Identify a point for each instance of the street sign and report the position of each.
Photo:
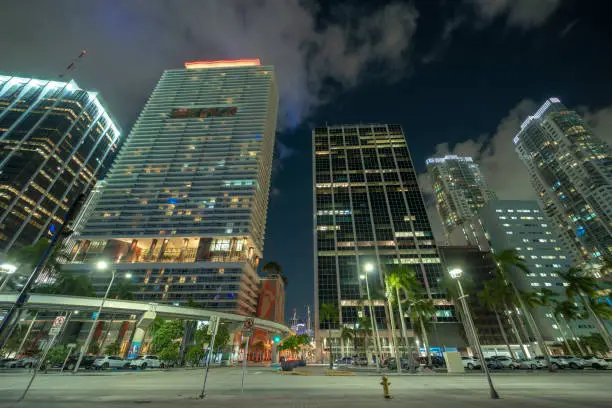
(57, 325)
(248, 323)
(247, 333)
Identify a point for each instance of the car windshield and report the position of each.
(139, 358)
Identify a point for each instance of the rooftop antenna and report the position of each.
(72, 64)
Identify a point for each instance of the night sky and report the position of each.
(458, 75)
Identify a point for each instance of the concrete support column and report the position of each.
(139, 333)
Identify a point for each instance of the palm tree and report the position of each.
(272, 268)
(328, 313)
(490, 299)
(583, 286)
(402, 278)
(567, 311)
(546, 298)
(423, 310)
(364, 327)
(506, 261)
(346, 335)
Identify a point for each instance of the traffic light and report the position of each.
(276, 338)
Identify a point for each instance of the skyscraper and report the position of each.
(521, 225)
(460, 192)
(368, 209)
(56, 141)
(571, 170)
(184, 206)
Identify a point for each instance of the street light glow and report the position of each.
(8, 268)
(362, 277)
(369, 267)
(128, 275)
(101, 265)
(455, 273)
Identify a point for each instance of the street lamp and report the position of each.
(469, 328)
(368, 268)
(101, 266)
(9, 270)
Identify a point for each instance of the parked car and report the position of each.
(470, 363)
(596, 362)
(5, 362)
(26, 362)
(526, 364)
(556, 362)
(574, 362)
(438, 361)
(109, 362)
(493, 363)
(86, 362)
(505, 361)
(146, 361)
(392, 364)
(360, 361)
(345, 361)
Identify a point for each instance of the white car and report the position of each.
(574, 362)
(526, 364)
(555, 361)
(505, 361)
(146, 361)
(109, 362)
(470, 363)
(595, 362)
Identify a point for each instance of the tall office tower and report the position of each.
(368, 209)
(521, 225)
(571, 170)
(479, 267)
(460, 192)
(184, 206)
(56, 141)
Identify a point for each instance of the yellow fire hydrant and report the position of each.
(385, 383)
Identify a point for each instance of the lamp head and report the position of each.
(8, 268)
(369, 267)
(362, 277)
(455, 273)
(128, 275)
(101, 265)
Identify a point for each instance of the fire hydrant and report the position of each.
(385, 383)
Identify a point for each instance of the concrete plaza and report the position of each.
(264, 388)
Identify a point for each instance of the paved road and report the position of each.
(264, 388)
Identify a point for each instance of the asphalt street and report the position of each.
(264, 388)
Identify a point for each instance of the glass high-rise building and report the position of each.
(368, 209)
(571, 170)
(56, 141)
(184, 206)
(524, 227)
(460, 191)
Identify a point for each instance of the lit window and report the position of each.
(548, 284)
(535, 284)
(544, 225)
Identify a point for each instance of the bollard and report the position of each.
(385, 383)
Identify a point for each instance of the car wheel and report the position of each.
(597, 366)
(533, 367)
(143, 366)
(573, 366)
(162, 365)
(512, 367)
(105, 366)
(29, 365)
(470, 366)
(70, 366)
(555, 366)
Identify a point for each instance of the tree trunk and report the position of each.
(402, 320)
(331, 353)
(569, 348)
(574, 337)
(503, 332)
(516, 332)
(601, 327)
(426, 341)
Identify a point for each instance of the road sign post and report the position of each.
(215, 328)
(247, 331)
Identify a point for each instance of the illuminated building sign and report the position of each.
(182, 113)
(223, 63)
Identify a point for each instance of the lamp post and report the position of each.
(368, 268)
(469, 327)
(101, 266)
(8, 269)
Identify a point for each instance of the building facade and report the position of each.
(271, 304)
(460, 192)
(184, 206)
(368, 209)
(56, 141)
(523, 226)
(571, 170)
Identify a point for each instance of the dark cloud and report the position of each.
(521, 13)
(130, 43)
